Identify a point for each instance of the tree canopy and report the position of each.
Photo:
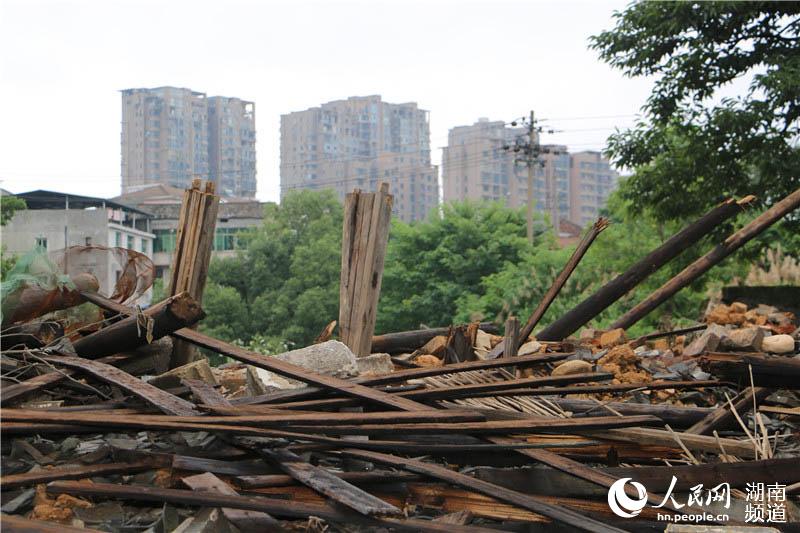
(283, 288)
(469, 262)
(693, 145)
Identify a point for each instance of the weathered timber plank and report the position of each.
(327, 483)
(358, 478)
(205, 393)
(412, 373)
(13, 481)
(494, 427)
(722, 417)
(18, 524)
(17, 390)
(526, 501)
(174, 313)
(163, 400)
(272, 506)
(246, 521)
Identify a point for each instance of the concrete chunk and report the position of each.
(778, 344)
(331, 358)
(707, 342)
(743, 340)
(376, 364)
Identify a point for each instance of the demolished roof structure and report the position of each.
(458, 428)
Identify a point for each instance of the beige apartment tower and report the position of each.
(476, 166)
(358, 143)
(171, 135)
(591, 182)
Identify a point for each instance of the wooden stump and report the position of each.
(195, 239)
(365, 234)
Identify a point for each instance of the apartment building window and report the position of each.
(143, 247)
(226, 239)
(41, 242)
(130, 242)
(165, 240)
(117, 239)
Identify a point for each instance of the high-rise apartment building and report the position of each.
(475, 166)
(232, 145)
(591, 182)
(358, 143)
(171, 135)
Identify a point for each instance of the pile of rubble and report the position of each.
(456, 428)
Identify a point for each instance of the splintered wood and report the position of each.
(365, 233)
(193, 244)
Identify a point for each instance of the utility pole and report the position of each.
(530, 158)
(532, 154)
(531, 150)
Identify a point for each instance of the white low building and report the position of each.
(55, 221)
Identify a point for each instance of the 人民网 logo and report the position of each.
(622, 504)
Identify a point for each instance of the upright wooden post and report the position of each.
(365, 233)
(194, 242)
(511, 338)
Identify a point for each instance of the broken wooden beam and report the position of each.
(165, 317)
(327, 483)
(161, 399)
(529, 424)
(245, 521)
(273, 506)
(723, 417)
(28, 479)
(525, 501)
(675, 416)
(193, 243)
(357, 478)
(775, 371)
(705, 263)
(558, 283)
(276, 365)
(10, 523)
(612, 291)
(411, 373)
(42, 381)
(408, 341)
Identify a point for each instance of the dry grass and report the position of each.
(778, 268)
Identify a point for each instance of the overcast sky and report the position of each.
(64, 62)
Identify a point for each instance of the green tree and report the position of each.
(432, 265)
(694, 147)
(8, 206)
(287, 278)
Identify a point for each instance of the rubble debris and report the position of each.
(622, 362)
(376, 364)
(458, 438)
(195, 370)
(332, 358)
(574, 366)
(781, 344)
